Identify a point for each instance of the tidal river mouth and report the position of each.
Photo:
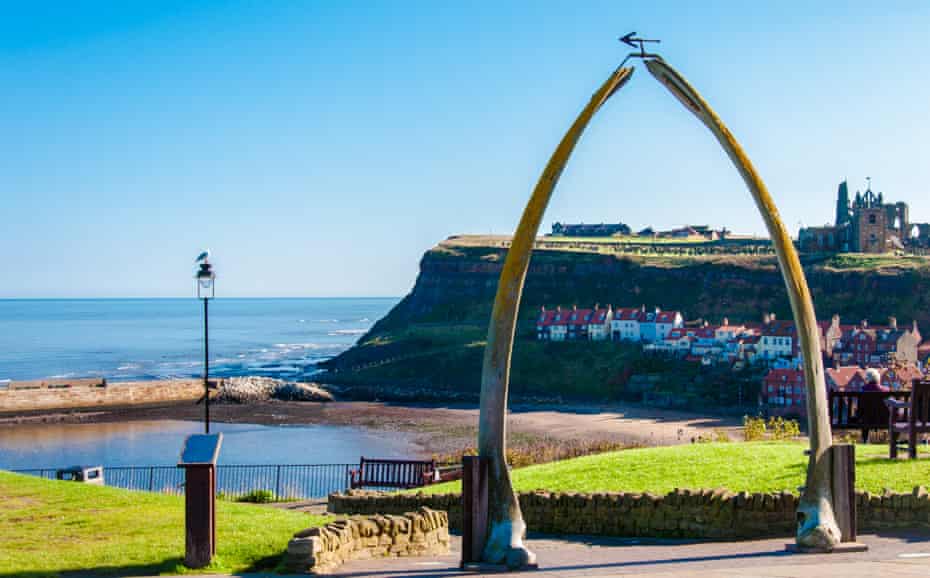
(158, 442)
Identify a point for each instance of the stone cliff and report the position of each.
(456, 285)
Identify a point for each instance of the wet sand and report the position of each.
(438, 429)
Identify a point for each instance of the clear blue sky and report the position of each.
(318, 148)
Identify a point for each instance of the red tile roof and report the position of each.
(600, 315)
(853, 377)
(785, 375)
(574, 317)
(580, 316)
(840, 377)
(705, 333)
(546, 317)
(666, 316)
(904, 375)
(627, 314)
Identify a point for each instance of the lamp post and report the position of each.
(206, 291)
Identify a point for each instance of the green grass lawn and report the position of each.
(49, 527)
(754, 467)
(871, 262)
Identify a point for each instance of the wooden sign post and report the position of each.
(474, 508)
(843, 458)
(198, 458)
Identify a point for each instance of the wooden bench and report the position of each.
(862, 410)
(378, 473)
(909, 417)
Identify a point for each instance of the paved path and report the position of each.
(888, 555)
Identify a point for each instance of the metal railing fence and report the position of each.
(283, 481)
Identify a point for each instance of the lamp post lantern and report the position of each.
(206, 290)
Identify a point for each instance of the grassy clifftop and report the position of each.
(434, 337)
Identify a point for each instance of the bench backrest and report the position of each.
(920, 402)
(861, 409)
(394, 473)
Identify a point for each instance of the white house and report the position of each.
(725, 332)
(678, 341)
(552, 324)
(775, 344)
(705, 342)
(655, 325)
(624, 325)
(599, 323)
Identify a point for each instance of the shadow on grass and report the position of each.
(168, 565)
(174, 565)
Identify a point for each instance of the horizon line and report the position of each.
(195, 298)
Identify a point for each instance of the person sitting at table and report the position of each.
(873, 381)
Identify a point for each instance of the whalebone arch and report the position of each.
(816, 523)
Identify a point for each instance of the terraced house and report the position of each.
(774, 342)
(625, 325)
(574, 324)
(784, 391)
(863, 344)
(655, 325)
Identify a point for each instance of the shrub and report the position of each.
(753, 428)
(846, 437)
(257, 497)
(721, 436)
(784, 429)
(541, 451)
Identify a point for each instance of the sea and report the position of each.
(145, 339)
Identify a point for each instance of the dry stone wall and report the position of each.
(711, 514)
(424, 532)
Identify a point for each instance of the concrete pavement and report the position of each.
(893, 555)
(897, 554)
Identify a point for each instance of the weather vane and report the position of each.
(631, 40)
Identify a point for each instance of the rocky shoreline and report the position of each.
(260, 389)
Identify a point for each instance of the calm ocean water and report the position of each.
(160, 338)
(123, 339)
(159, 443)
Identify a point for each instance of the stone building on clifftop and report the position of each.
(866, 224)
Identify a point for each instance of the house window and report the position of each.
(872, 222)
